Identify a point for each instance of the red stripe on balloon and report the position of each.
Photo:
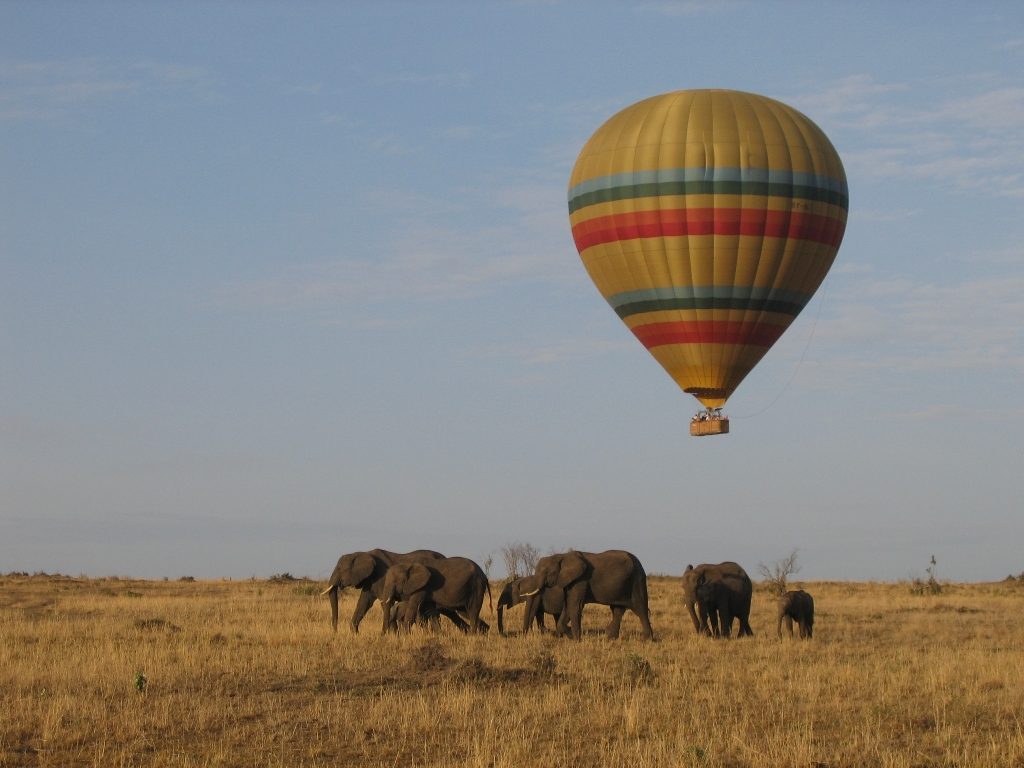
(708, 332)
(757, 222)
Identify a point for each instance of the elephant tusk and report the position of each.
(326, 591)
(529, 594)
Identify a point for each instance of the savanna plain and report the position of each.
(119, 672)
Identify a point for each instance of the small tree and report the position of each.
(487, 563)
(776, 576)
(929, 586)
(520, 559)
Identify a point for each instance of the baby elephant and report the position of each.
(552, 601)
(454, 583)
(797, 605)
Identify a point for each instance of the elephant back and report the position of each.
(416, 556)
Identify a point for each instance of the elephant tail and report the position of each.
(640, 584)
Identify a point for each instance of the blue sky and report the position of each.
(279, 282)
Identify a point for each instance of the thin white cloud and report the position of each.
(307, 89)
(553, 353)
(432, 79)
(857, 99)
(429, 260)
(967, 134)
(391, 144)
(689, 7)
(1000, 109)
(342, 120)
(43, 90)
(959, 413)
(462, 132)
(876, 215)
(927, 327)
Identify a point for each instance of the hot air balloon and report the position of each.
(707, 219)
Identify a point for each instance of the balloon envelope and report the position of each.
(707, 219)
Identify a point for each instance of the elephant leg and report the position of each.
(388, 613)
(575, 609)
(363, 604)
(614, 625)
(473, 608)
(454, 617)
(576, 622)
(530, 611)
(789, 626)
(714, 624)
(429, 613)
(562, 626)
(542, 627)
(699, 621)
(413, 607)
(704, 622)
(726, 619)
(571, 620)
(745, 629)
(643, 613)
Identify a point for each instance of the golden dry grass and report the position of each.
(249, 674)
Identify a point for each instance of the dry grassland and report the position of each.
(249, 674)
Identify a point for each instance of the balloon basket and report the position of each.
(712, 425)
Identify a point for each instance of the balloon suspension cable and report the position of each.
(800, 362)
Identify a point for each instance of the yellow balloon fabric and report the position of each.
(707, 219)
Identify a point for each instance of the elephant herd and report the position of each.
(424, 585)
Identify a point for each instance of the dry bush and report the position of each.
(775, 577)
(929, 586)
(254, 676)
(520, 559)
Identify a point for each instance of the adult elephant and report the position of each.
(454, 584)
(365, 571)
(734, 594)
(614, 578)
(796, 605)
(551, 601)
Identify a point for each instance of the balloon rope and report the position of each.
(796, 370)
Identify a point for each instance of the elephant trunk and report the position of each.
(697, 622)
(504, 600)
(530, 611)
(332, 595)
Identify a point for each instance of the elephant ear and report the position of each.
(571, 568)
(418, 577)
(510, 592)
(361, 568)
